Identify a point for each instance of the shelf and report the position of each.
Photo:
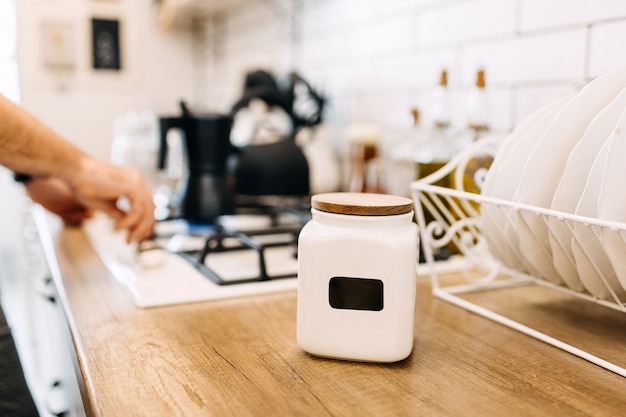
(465, 219)
(182, 13)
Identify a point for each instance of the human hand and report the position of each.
(56, 196)
(100, 185)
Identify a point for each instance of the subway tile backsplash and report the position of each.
(606, 46)
(377, 59)
(467, 21)
(555, 14)
(558, 56)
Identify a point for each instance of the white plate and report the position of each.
(612, 203)
(572, 184)
(501, 180)
(592, 263)
(494, 180)
(498, 225)
(543, 170)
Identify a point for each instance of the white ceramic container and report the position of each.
(357, 260)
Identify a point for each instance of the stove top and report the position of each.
(248, 253)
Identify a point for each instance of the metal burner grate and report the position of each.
(277, 239)
(225, 241)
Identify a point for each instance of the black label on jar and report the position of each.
(355, 293)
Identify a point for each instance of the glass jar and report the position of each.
(357, 260)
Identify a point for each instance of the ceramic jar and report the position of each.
(357, 260)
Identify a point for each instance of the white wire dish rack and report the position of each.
(453, 216)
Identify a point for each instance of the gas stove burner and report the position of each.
(257, 244)
(269, 254)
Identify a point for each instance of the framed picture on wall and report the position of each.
(106, 44)
(58, 47)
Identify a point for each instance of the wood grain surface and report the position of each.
(239, 357)
(362, 204)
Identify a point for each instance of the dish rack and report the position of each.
(451, 215)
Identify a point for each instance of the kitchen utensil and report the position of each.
(314, 136)
(267, 160)
(207, 189)
(136, 144)
(263, 114)
(324, 164)
(357, 262)
(499, 225)
(612, 202)
(572, 185)
(278, 168)
(593, 266)
(545, 165)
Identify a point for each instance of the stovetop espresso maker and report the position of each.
(207, 192)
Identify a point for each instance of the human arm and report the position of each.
(26, 145)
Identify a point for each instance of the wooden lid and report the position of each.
(362, 204)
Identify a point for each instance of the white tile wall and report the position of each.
(415, 70)
(377, 59)
(467, 21)
(606, 50)
(556, 56)
(541, 14)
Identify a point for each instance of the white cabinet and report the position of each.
(175, 13)
(41, 332)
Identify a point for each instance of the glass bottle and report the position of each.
(402, 168)
(440, 104)
(437, 150)
(477, 112)
(477, 127)
(363, 157)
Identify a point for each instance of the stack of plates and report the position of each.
(570, 157)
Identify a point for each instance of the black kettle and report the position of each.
(207, 192)
(277, 169)
(270, 163)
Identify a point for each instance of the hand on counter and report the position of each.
(100, 186)
(56, 196)
(68, 182)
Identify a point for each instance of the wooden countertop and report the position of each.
(239, 357)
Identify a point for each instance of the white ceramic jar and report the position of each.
(357, 261)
